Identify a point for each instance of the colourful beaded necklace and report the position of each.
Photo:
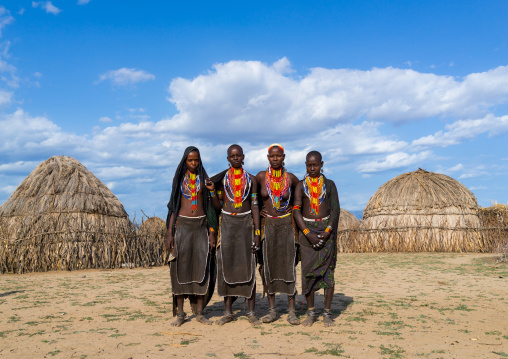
(315, 190)
(190, 187)
(238, 182)
(278, 183)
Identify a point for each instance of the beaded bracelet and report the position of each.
(212, 230)
(257, 232)
(297, 208)
(306, 231)
(212, 194)
(328, 229)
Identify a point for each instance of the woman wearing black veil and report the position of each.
(192, 224)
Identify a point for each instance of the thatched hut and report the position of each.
(423, 211)
(348, 226)
(63, 217)
(151, 238)
(494, 221)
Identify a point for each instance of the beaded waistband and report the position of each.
(276, 217)
(236, 214)
(316, 219)
(192, 217)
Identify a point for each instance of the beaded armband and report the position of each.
(212, 230)
(306, 231)
(297, 208)
(212, 194)
(257, 232)
(328, 229)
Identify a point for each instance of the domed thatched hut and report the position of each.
(63, 217)
(152, 242)
(348, 227)
(423, 211)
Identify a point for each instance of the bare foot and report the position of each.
(228, 317)
(201, 319)
(327, 319)
(270, 317)
(292, 318)
(253, 320)
(311, 318)
(180, 319)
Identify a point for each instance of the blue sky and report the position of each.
(379, 87)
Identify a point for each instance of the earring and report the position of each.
(321, 170)
(229, 164)
(283, 164)
(243, 163)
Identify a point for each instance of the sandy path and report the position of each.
(388, 306)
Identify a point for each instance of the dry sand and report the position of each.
(431, 305)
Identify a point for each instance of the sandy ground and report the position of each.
(387, 306)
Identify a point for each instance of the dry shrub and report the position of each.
(151, 241)
(494, 222)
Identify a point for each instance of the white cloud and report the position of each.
(125, 76)
(464, 129)
(260, 96)
(458, 167)
(83, 2)
(23, 134)
(8, 189)
(5, 18)
(5, 97)
(394, 160)
(105, 119)
(46, 5)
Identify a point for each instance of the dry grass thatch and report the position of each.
(151, 238)
(421, 211)
(63, 217)
(494, 222)
(348, 223)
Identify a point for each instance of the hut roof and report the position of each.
(421, 193)
(152, 225)
(347, 220)
(62, 184)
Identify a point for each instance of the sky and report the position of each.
(380, 88)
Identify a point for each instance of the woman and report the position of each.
(191, 223)
(279, 248)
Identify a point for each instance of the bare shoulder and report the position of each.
(293, 178)
(260, 176)
(299, 186)
(253, 179)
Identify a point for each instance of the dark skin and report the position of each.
(235, 158)
(317, 240)
(192, 163)
(276, 157)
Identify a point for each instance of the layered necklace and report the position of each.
(238, 182)
(315, 190)
(190, 187)
(278, 183)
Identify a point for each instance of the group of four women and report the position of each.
(254, 217)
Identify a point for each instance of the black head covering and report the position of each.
(176, 194)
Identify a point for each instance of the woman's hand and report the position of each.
(256, 244)
(209, 184)
(211, 240)
(316, 240)
(170, 241)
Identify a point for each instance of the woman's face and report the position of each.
(314, 166)
(276, 157)
(236, 157)
(192, 161)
